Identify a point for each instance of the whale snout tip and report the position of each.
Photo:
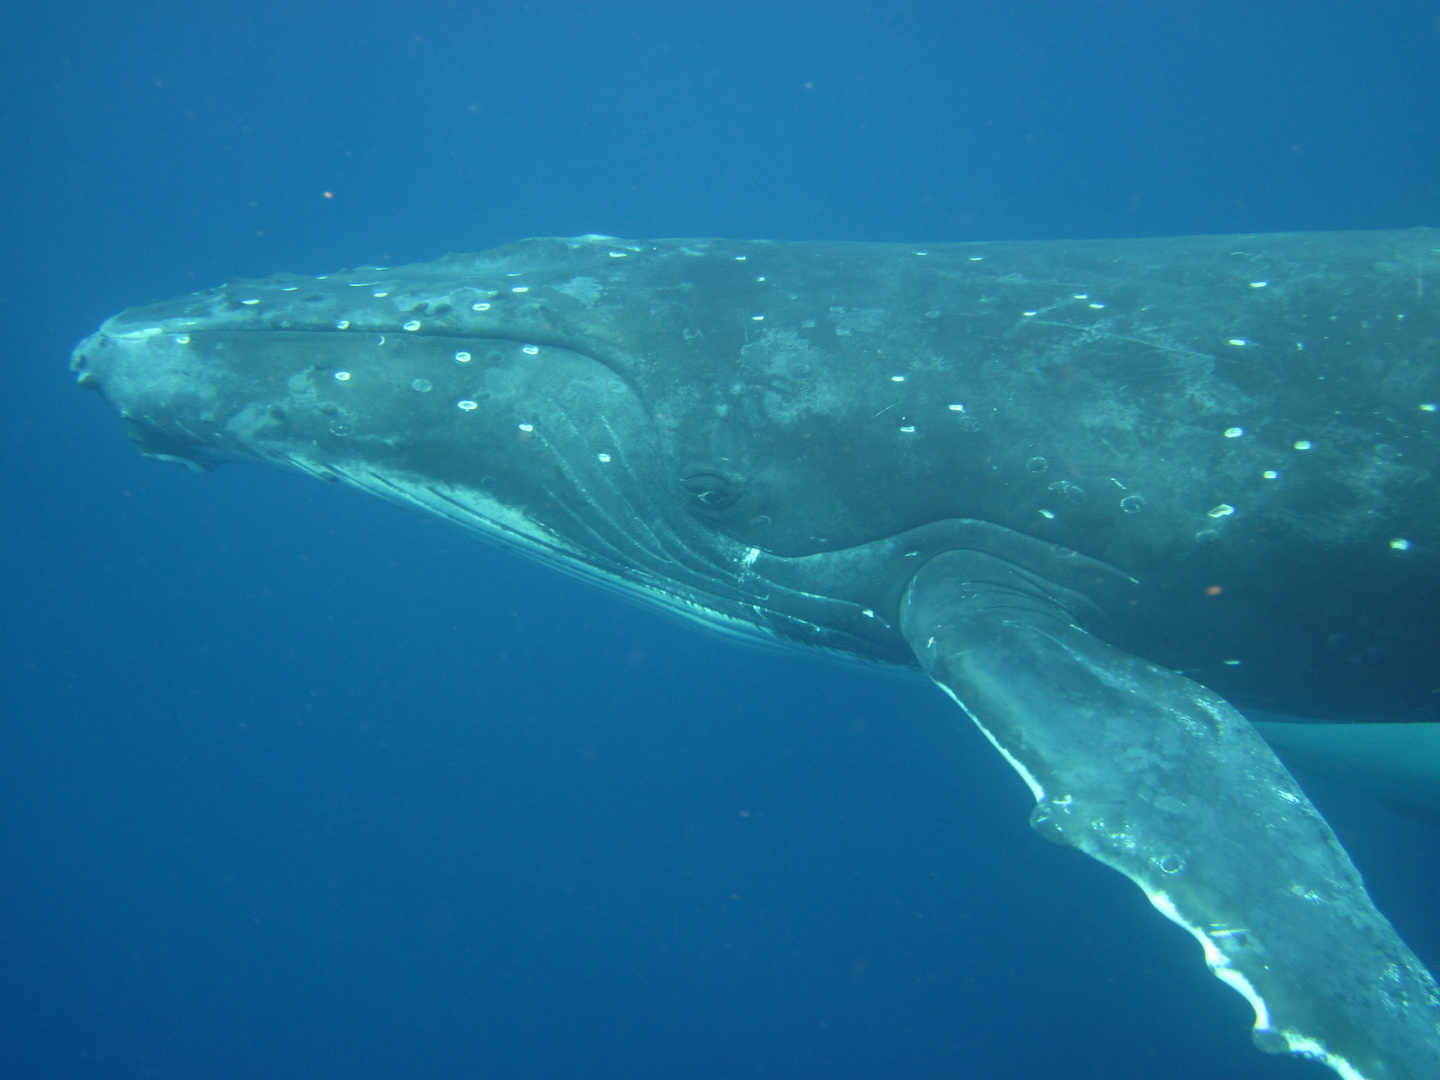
(80, 362)
(129, 368)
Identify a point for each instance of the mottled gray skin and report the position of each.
(801, 416)
(1215, 453)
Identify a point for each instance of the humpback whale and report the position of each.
(1106, 494)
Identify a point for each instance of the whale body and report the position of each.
(1106, 494)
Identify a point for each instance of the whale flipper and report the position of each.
(1155, 776)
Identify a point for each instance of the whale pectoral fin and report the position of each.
(1155, 776)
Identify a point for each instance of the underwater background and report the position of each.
(296, 785)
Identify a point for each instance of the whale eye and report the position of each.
(711, 491)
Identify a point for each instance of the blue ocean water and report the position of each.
(293, 784)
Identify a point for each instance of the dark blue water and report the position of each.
(295, 785)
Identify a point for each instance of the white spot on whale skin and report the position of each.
(520, 288)
(527, 428)
(480, 307)
(412, 325)
(424, 386)
(379, 295)
(603, 457)
(1429, 407)
(463, 356)
(1234, 432)
(342, 376)
(1304, 444)
(249, 301)
(908, 429)
(1223, 510)
(1238, 341)
(342, 324)
(897, 378)
(619, 254)
(182, 339)
(1270, 474)
(467, 406)
(1400, 544)
(1258, 284)
(530, 350)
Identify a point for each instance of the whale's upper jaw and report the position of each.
(161, 400)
